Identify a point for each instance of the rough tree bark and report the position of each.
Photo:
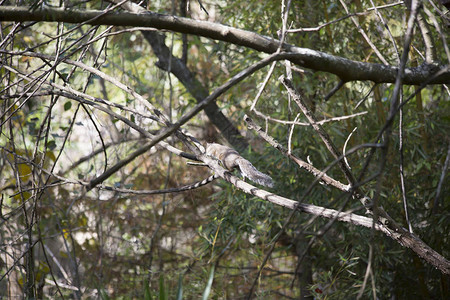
(346, 69)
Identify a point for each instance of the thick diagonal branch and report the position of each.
(401, 236)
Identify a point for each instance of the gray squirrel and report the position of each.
(231, 159)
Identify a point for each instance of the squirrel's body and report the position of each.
(231, 159)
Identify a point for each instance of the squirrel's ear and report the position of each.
(208, 147)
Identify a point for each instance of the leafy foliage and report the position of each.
(102, 242)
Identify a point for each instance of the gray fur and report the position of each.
(231, 159)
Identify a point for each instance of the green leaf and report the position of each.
(180, 288)
(162, 289)
(207, 290)
(103, 294)
(51, 145)
(67, 105)
(147, 292)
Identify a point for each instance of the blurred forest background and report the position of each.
(93, 150)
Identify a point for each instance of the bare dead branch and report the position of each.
(398, 234)
(318, 128)
(301, 163)
(180, 189)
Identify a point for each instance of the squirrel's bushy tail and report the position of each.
(249, 171)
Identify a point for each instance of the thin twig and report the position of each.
(301, 163)
(345, 146)
(365, 36)
(317, 127)
(441, 182)
(334, 90)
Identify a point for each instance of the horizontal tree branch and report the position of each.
(180, 189)
(346, 69)
(404, 238)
